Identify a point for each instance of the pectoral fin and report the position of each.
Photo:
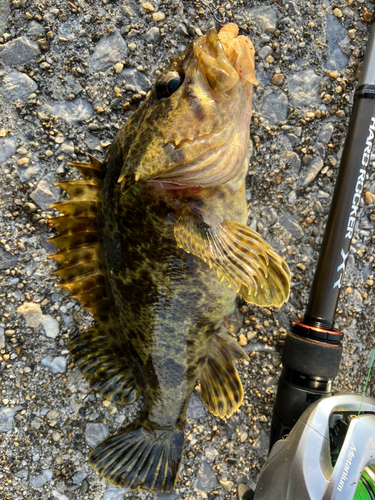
(239, 255)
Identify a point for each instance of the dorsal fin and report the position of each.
(79, 252)
(90, 171)
(95, 351)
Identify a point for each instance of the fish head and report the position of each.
(193, 128)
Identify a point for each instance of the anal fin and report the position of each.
(221, 387)
(103, 366)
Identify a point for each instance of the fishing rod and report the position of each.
(330, 451)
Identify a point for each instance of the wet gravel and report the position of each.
(71, 73)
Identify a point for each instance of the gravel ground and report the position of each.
(70, 75)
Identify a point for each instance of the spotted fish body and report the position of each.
(154, 242)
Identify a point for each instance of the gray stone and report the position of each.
(22, 474)
(2, 338)
(19, 51)
(335, 34)
(8, 146)
(113, 493)
(320, 150)
(95, 433)
(263, 77)
(92, 142)
(131, 76)
(71, 112)
(67, 147)
(293, 9)
(274, 108)
(7, 260)
(68, 320)
(303, 87)
(265, 51)
(315, 167)
(35, 29)
(17, 85)
(45, 192)
(293, 139)
(196, 408)
(69, 31)
(206, 479)
(108, 52)
(153, 34)
(290, 223)
(25, 174)
(50, 326)
(42, 479)
(54, 365)
(4, 15)
(181, 30)
(269, 216)
(6, 418)
(59, 496)
(79, 477)
(292, 159)
(325, 132)
(263, 17)
(36, 423)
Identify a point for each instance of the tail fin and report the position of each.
(140, 456)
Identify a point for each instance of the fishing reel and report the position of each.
(328, 455)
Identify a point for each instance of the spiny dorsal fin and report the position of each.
(79, 252)
(90, 171)
(76, 208)
(81, 190)
(68, 225)
(84, 253)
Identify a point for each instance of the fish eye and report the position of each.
(168, 83)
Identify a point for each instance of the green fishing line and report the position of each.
(367, 379)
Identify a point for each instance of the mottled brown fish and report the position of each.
(154, 242)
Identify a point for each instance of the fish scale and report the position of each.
(153, 241)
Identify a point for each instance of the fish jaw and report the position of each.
(202, 128)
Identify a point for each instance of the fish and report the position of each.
(154, 241)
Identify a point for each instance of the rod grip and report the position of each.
(311, 357)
